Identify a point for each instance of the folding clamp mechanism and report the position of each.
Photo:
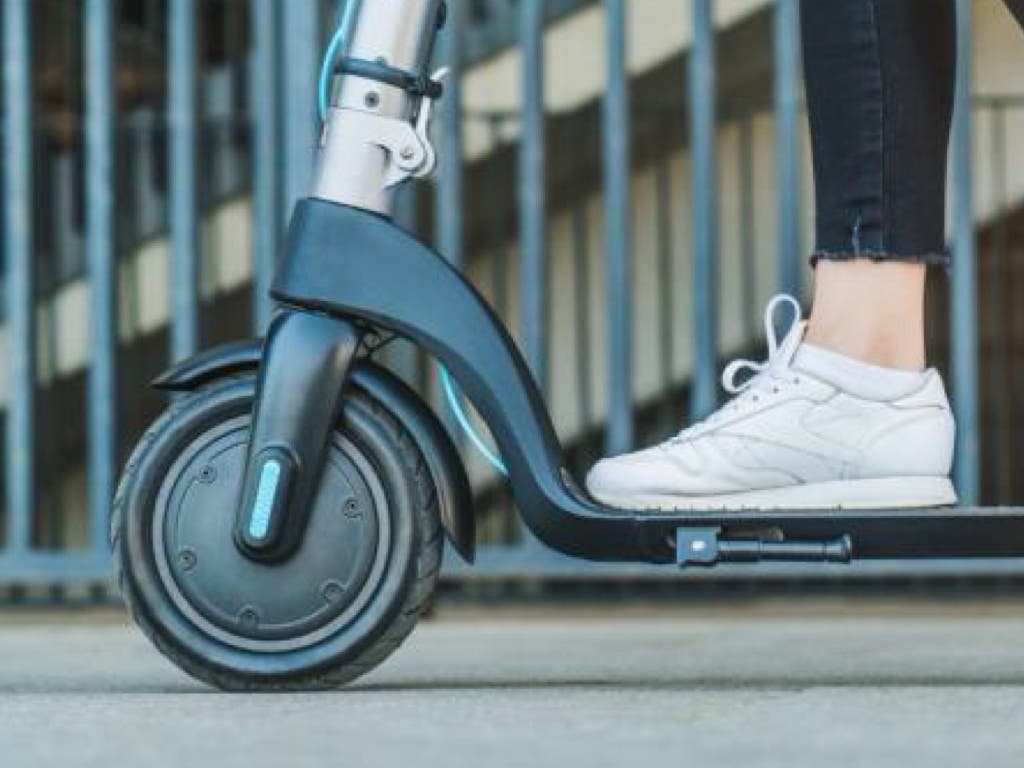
(410, 151)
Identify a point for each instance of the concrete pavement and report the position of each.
(804, 684)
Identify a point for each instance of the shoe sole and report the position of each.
(875, 493)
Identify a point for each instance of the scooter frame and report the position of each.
(349, 272)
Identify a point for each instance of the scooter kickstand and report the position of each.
(706, 547)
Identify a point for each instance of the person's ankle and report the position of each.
(881, 348)
(870, 311)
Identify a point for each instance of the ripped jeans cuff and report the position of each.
(928, 258)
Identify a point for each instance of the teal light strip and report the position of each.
(259, 520)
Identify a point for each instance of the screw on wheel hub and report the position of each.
(260, 606)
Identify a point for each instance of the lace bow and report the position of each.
(779, 354)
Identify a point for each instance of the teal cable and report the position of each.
(463, 420)
(327, 67)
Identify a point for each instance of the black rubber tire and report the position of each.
(407, 585)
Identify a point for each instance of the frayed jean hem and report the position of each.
(930, 258)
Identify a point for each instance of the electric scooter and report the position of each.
(281, 526)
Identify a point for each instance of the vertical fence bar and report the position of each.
(449, 198)
(532, 191)
(1002, 404)
(266, 175)
(581, 280)
(448, 211)
(618, 273)
(786, 40)
(666, 280)
(182, 129)
(532, 203)
(1015, 255)
(704, 390)
(499, 272)
(298, 23)
(101, 255)
(964, 331)
(402, 356)
(21, 327)
(748, 210)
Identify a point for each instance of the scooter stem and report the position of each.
(372, 139)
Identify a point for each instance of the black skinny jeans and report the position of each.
(879, 77)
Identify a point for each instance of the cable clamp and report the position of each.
(415, 85)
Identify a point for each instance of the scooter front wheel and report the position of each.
(353, 591)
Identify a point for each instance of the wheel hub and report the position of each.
(258, 605)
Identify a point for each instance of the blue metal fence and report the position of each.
(279, 141)
(18, 114)
(101, 393)
(182, 132)
(704, 216)
(964, 314)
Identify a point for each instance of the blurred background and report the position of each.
(626, 181)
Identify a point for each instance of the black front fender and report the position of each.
(455, 500)
(209, 366)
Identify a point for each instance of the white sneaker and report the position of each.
(821, 432)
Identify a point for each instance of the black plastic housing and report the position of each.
(306, 360)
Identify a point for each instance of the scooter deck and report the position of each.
(869, 534)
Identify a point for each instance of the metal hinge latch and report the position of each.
(411, 154)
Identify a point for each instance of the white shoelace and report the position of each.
(767, 375)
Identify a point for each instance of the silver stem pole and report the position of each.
(356, 163)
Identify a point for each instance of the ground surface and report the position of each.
(804, 685)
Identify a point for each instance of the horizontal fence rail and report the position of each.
(168, 216)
